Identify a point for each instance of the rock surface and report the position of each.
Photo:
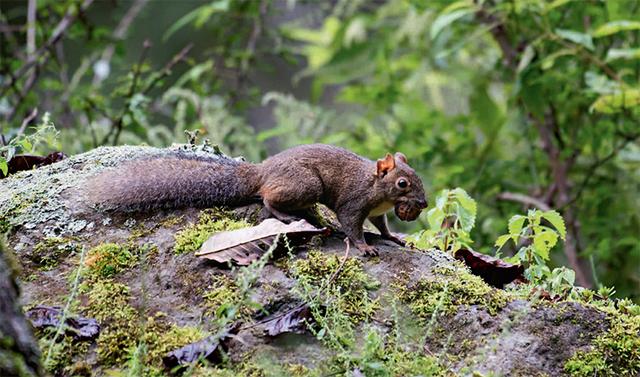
(178, 298)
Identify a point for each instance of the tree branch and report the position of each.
(524, 199)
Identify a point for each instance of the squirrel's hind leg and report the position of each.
(284, 198)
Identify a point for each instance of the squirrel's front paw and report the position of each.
(394, 239)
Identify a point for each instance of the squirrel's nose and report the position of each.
(422, 203)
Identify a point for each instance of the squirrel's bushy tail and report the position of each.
(174, 182)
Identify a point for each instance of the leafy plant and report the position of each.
(534, 241)
(44, 134)
(450, 221)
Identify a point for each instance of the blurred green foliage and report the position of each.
(523, 103)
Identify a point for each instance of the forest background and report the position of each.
(522, 103)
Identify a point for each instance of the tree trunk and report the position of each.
(19, 353)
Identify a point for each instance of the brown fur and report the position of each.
(352, 186)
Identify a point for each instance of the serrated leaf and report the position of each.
(503, 239)
(576, 37)
(615, 27)
(557, 221)
(515, 226)
(466, 201)
(465, 217)
(543, 242)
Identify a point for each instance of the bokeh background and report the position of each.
(522, 103)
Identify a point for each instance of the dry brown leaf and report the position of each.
(243, 246)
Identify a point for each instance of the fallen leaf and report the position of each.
(22, 162)
(493, 271)
(211, 349)
(293, 321)
(243, 246)
(78, 327)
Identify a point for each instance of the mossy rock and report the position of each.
(406, 312)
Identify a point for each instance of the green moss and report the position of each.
(615, 353)
(158, 340)
(447, 290)
(109, 304)
(223, 292)
(211, 221)
(352, 282)
(5, 226)
(48, 253)
(108, 259)
(64, 356)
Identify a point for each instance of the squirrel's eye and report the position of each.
(402, 183)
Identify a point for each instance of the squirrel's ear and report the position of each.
(401, 157)
(385, 165)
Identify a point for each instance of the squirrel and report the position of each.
(354, 187)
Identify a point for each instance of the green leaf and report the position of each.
(4, 166)
(435, 217)
(623, 53)
(527, 56)
(503, 239)
(576, 37)
(199, 16)
(550, 60)
(468, 208)
(465, 217)
(515, 226)
(600, 84)
(446, 19)
(543, 242)
(26, 145)
(615, 27)
(441, 199)
(557, 221)
(613, 103)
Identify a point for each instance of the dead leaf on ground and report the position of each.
(493, 271)
(293, 321)
(78, 327)
(243, 246)
(211, 349)
(22, 162)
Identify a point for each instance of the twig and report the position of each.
(31, 27)
(119, 33)
(166, 70)
(524, 199)
(339, 269)
(595, 165)
(22, 94)
(137, 71)
(27, 120)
